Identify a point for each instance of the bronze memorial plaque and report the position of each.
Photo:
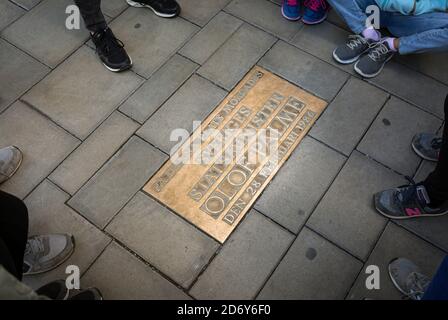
(216, 174)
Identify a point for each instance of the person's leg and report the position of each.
(353, 12)
(92, 14)
(421, 33)
(438, 288)
(13, 233)
(437, 182)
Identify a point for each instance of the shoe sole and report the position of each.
(427, 215)
(118, 70)
(335, 57)
(157, 13)
(421, 155)
(369, 76)
(290, 19)
(58, 264)
(315, 22)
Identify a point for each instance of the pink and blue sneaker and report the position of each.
(315, 11)
(291, 9)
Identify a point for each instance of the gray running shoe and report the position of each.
(407, 278)
(371, 64)
(350, 51)
(46, 252)
(10, 160)
(427, 146)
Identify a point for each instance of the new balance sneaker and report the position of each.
(371, 64)
(46, 252)
(291, 9)
(10, 161)
(162, 8)
(111, 51)
(56, 290)
(352, 49)
(315, 11)
(427, 146)
(408, 278)
(407, 202)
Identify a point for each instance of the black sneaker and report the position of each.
(111, 51)
(350, 51)
(56, 290)
(162, 8)
(427, 146)
(87, 294)
(372, 64)
(407, 202)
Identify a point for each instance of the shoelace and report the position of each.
(355, 40)
(436, 143)
(292, 3)
(315, 5)
(379, 50)
(34, 246)
(110, 43)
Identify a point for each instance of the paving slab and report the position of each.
(348, 117)
(151, 40)
(19, 72)
(27, 4)
(321, 40)
(49, 214)
(245, 261)
(47, 20)
(90, 156)
(211, 37)
(192, 102)
(9, 12)
(81, 93)
(120, 275)
(227, 66)
(304, 70)
(389, 138)
(413, 87)
(346, 215)
(163, 239)
(35, 135)
(431, 64)
(201, 11)
(265, 15)
(313, 268)
(298, 187)
(395, 242)
(103, 196)
(113, 8)
(154, 92)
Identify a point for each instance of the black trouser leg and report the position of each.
(13, 233)
(437, 182)
(92, 14)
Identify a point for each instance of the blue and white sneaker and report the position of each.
(291, 9)
(315, 11)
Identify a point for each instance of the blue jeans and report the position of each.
(423, 33)
(438, 289)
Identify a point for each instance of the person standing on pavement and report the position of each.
(310, 11)
(110, 49)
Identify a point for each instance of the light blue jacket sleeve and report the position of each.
(413, 7)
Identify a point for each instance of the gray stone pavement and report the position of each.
(92, 139)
